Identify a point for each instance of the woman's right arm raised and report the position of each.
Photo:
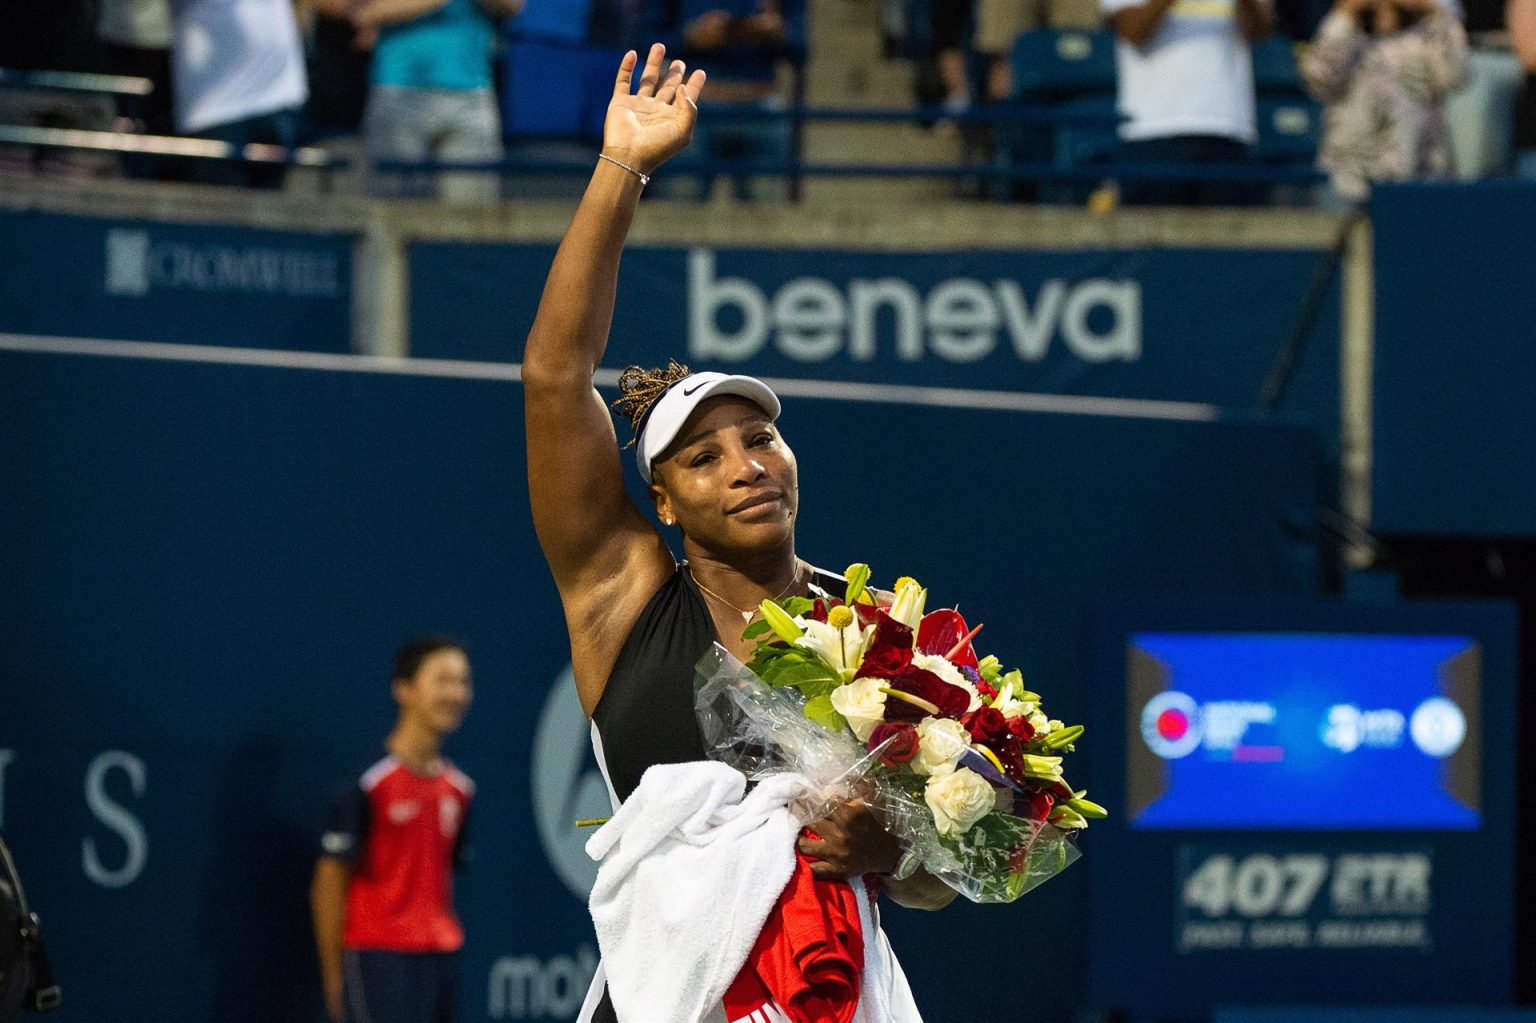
(588, 527)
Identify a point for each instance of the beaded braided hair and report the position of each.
(641, 388)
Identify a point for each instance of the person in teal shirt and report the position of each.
(430, 95)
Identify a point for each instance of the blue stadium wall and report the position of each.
(205, 567)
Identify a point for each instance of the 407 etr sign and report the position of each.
(1258, 901)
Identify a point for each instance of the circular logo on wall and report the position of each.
(566, 786)
(1170, 725)
(1437, 727)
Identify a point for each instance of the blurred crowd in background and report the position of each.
(1050, 98)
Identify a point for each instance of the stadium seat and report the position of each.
(1274, 68)
(555, 89)
(564, 20)
(1051, 65)
(1289, 131)
(1087, 132)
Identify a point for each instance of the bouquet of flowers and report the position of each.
(880, 699)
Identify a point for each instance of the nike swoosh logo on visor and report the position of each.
(688, 391)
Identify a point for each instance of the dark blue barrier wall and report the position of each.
(1199, 325)
(153, 281)
(205, 568)
(1454, 419)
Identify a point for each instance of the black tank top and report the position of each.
(645, 715)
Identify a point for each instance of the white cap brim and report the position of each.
(673, 408)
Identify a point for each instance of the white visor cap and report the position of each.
(672, 409)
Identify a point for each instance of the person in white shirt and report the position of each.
(1185, 74)
(239, 77)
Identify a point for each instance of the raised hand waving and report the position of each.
(646, 126)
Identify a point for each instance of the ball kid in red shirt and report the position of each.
(382, 895)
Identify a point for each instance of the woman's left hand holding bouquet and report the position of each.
(851, 842)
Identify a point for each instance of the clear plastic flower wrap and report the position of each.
(761, 729)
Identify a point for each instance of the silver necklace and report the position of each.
(746, 614)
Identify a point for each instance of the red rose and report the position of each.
(940, 631)
(986, 724)
(952, 701)
(819, 610)
(899, 739)
(890, 651)
(1021, 728)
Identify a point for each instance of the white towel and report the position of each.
(690, 870)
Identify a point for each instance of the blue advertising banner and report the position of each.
(191, 283)
(1193, 325)
(205, 568)
(1312, 797)
(1453, 333)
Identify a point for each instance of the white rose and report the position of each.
(947, 672)
(862, 704)
(958, 800)
(1039, 723)
(940, 743)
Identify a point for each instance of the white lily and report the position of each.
(910, 601)
(842, 648)
(1010, 706)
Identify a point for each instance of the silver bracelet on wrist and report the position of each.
(645, 179)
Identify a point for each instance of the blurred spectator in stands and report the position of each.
(137, 37)
(999, 22)
(1384, 69)
(949, 39)
(741, 44)
(1520, 16)
(238, 69)
(339, 57)
(431, 96)
(1185, 85)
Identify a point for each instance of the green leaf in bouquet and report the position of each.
(771, 658)
(795, 607)
(811, 676)
(756, 629)
(821, 711)
(991, 669)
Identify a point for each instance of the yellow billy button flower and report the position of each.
(839, 617)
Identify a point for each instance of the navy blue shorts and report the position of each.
(400, 987)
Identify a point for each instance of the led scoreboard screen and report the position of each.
(1274, 730)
